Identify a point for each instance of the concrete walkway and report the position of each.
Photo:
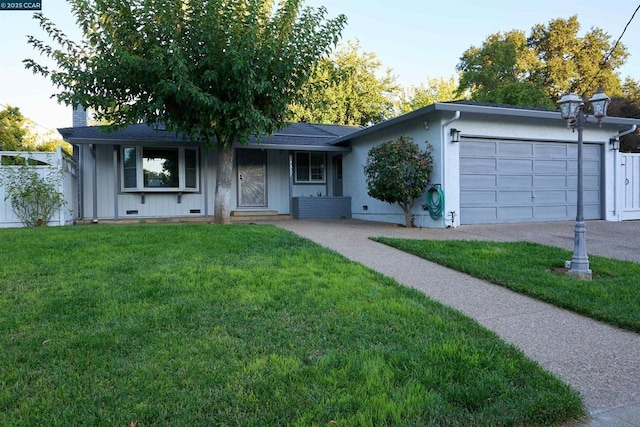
(600, 361)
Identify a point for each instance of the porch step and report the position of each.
(250, 216)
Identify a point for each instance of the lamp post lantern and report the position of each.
(571, 109)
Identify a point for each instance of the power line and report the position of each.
(28, 119)
(608, 56)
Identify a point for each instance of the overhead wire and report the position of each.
(608, 56)
(28, 119)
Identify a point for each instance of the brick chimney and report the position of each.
(79, 117)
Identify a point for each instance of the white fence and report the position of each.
(45, 164)
(630, 174)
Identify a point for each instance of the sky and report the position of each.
(416, 39)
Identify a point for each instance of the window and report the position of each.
(159, 169)
(310, 167)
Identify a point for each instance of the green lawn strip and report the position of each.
(613, 296)
(241, 325)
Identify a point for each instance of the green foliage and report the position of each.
(34, 198)
(17, 135)
(201, 325)
(612, 296)
(14, 132)
(570, 63)
(214, 71)
(435, 90)
(52, 144)
(535, 71)
(347, 88)
(627, 105)
(398, 172)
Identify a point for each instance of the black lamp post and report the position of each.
(571, 109)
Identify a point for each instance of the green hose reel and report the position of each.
(435, 201)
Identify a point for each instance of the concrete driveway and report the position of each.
(620, 240)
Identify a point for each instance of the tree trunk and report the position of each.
(406, 208)
(224, 173)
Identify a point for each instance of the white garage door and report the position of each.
(521, 181)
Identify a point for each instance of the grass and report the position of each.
(613, 296)
(201, 325)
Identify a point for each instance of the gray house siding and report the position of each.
(366, 207)
(506, 186)
(112, 203)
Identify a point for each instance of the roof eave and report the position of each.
(294, 147)
(478, 109)
(265, 146)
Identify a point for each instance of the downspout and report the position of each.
(60, 161)
(116, 185)
(291, 183)
(616, 212)
(92, 150)
(204, 177)
(446, 124)
(79, 153)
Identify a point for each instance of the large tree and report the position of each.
(535, 71)
(628, 105)
(579, 64)
(17, 134)
(215, 71)
(14, 130)
(347, 88)
(435, 90)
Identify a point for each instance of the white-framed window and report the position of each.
(310, 167)
(159, 169)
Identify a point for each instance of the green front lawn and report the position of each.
(201, 325)
(613, 295)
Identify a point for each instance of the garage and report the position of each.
(508, 181)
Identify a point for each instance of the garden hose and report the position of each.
(435, 201)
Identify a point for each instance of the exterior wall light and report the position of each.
(455, 135)
(614, 143)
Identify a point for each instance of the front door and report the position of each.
(337, 175)
(252, 178)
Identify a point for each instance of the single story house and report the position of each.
(493, 164)
(147, 172)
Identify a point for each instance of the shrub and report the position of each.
(34, 198)
(398, 172)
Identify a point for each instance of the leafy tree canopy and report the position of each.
(16, 134)
(628, 105)
(216, 71)
(347, 88)
(435, 90)
(536, 71)
(398, 172)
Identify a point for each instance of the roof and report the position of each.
(305, 136)
(474, 107)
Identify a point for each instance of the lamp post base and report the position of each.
(580, 261)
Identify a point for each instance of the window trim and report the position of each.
(310, 180)
(182, 169)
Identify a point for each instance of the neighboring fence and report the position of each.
(630, 175)
(45, 163)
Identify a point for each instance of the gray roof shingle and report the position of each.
(297, 134)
